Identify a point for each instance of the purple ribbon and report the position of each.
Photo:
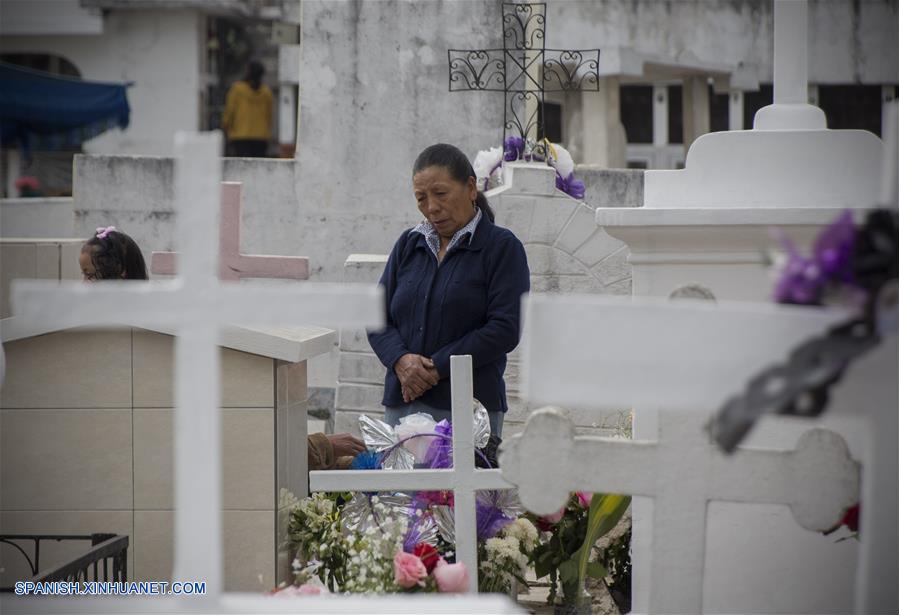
(804, 279)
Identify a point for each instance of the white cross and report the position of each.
(790, 108)
(682, 472)
(691, 357)
(463, 478)
(197, 306)
(232, 264)
(790, 51)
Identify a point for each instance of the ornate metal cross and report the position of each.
(523, 69)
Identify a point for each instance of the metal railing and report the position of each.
(108, 556)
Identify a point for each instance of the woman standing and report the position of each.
(247, 119)
(453, 287)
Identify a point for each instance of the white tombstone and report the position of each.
(688, 357)
(197, 306)
(682, 471)
(708, 228)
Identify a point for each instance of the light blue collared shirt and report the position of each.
(432, 238)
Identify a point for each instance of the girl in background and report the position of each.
(111, 255)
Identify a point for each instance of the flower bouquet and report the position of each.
(566, 546)
(404, 542)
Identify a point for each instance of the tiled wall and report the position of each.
(44, 259)
(86, 446)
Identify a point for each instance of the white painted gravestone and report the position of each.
(684, 359)
(682, 472)
(463, 479)
(198, 306)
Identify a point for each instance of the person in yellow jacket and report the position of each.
(247, 119)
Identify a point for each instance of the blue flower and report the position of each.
(366, 460)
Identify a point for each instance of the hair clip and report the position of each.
(103, 232)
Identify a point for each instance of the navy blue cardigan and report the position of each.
(469, 304)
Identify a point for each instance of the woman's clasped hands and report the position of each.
(417, 374)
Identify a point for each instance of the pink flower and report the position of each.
(584, 498)
(408, 570)
(27, 181)
(451, 578)
(546, 522)
(307, 589)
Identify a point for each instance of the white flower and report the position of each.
(563, 162)
(524, 531)
(485, 163)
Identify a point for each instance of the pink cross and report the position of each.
(232, 264)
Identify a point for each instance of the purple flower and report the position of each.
(833, 248)
(513, 148)
(570, 185)
(491, 520)
(801, 281)
(804, 280)
(440, 452)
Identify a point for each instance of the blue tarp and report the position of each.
(46, 111)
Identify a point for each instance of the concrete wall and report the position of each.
(161, 51)
(37, 217)
(135, 193)
(41, 259)
(373, 94)
(849, 42)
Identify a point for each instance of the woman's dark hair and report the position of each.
(116, 257)
(255, 70)
(453, 160)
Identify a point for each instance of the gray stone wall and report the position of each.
(135, 194)
(373, 94)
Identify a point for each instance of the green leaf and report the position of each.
(568, 571)
(605, 512)
(596, 570)
(541, 569)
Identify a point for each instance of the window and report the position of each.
(549, 121)
(851, 106)
(753, 101)
(719, 111)
(636, 112)
(675, 114)
(45, 62)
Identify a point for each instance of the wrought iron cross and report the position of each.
(523, 69)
